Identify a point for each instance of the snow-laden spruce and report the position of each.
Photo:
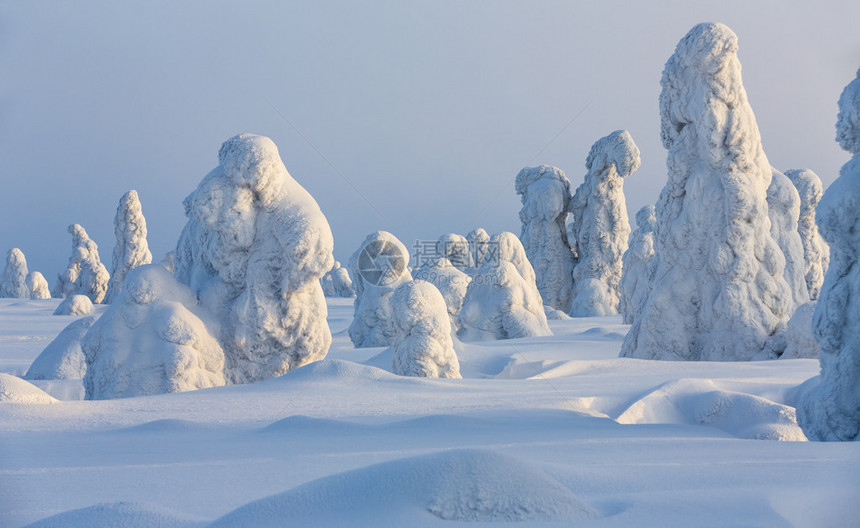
(783, 206)
(718, 291)
(816, 252)
(638, 265)
(378, 267)
(456, 249)
(422, 343)
(151, 340)
(478, 240)
(451, 283)
(545, 194)
(75, 305)
(38, 286)
(14, 280)
(829, 404)
(85, 274)
(502, 301)
(253, 250)
(336, 282)
(63, 358)
(600, 225)
(131, 248)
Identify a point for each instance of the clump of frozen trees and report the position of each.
(456, 249)
(783, 206)
(719, 290)
(451, 283)
(637, 263)
(253, 251)
(85, 274)
(422, 344)
(378, 267)
(502, 301)
(131, 248)
(600, 226)
(545, 194)
(829, 404)
(336, 282)
(478, 240)
(38, 286)
(13, 283)
(816, 252)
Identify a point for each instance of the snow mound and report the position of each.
(701, 402)
(63, 358)
(16, 390)
(459, 485)
(338, 370)
(120, 515)
(75, 305)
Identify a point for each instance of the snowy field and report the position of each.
(550, 431)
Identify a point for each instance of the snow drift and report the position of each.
(16, 390)
(85, 274)
(131, 248)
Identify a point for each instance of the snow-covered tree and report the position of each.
(422, 343)
(75, 305)
(38, 286)
(63, 358)
(478, 239)
(378, 267)
(600, 225)
(502, 301)
(327, 284)
(783, 207)
(253, 250)
(167, 261)
(718, 291)
(342, 282)
(131, 248)
(638, 264)
(816, 252)
(456, 249)
(151, 340)
(14, 280)
(829, 404)
(451, 283)
(545, 194)
(85, 274)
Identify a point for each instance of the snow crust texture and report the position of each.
(13, 283)
(63, 358)
(600, 227)
(638, 265)
(451, 283)
(502, 301)
(545, 194)
(719, 290)
(85, 274)
(131, 248)
(151, 340)
(38, 286)
(816, 252)
(75, 305)
(422, 345)
(378, 267)
(253, 251)
(829, 404)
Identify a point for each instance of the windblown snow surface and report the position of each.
(542, 431)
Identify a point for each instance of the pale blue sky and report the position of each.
(428, 109)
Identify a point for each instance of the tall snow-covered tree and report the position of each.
(816, 252)
(638, 264)
(85, 274)
(13, 283)
(131, 248)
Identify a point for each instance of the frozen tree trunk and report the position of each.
(600, 225)
(783, 206)
(131, 248)
(253, 251)
(545, 194)
(478, 239)
(638, 265)
(422, 343)
(816, 252)
(456, 249)
(378, 267)
(14, 280)
(85, 274)
(451, 282)
(829, 404)
(38, 286)
(719, 291)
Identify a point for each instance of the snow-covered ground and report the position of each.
(548, 430)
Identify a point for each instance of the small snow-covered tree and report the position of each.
(422, 344)
(456, 249)
(14, 280)
(816, 252)
(38, 286)
(600, 225)
(131, 248)
(545, 194)
(75, 305)
(478, 239)
(378, 267)
(718, 291)
(85, 274)
(829, 404)
(167, 261)
(638, 264)
(451, 283)
(502, 301)
(341, 281)
(783, 206)
(151, 340)
(253, 250)
(327, 284)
